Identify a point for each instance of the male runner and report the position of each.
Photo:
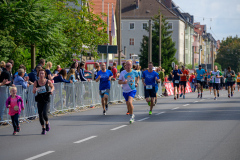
(238, 80)
(200, 80)
(149, 79)
(216, 79)
(230, 81)
(176, 78)
(129, 79)
(183, 81)
(104, 76)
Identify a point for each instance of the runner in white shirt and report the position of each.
(216, 80)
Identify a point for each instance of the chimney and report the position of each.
(137, 4)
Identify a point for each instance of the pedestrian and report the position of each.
(149, 79)
(62, 77)
(129, 79)
(6, 74)
(71, 75)
(15, 104)
(50, 76)
(105, 77)
(42, 88)
(21, 80)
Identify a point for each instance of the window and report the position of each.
(144, 26)
(170, 26)
(131, 42)
(131, 25)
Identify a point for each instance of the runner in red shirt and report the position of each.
(183, 81)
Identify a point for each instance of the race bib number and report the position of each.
(177, 81)
(41, 90)
(202, 80)
(103, 91)
(148, 86)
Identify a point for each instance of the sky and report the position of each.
(223, 16)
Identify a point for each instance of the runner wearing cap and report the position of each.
(176, 78)
(200, 80)
(183, 81)
(216, 79)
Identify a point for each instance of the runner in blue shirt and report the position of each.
(104, 86)
(200, 80)
(176, 79)
(149, 78)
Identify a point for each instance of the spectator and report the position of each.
(6, 74)
(81, 72)
(2, 64)
(94, 70)
(57, 70)
(33, 75)
(114, 70)
(21, 67)
(50, 76)
(97, 70)
(123, 67)
(41, 63)
(11, 61)
(161, 74)
(71, 75)
(170, 76)
(166, 78)
(62, 77)
(19, 80)
(75, 66)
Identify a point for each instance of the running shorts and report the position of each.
(102, 92)
(216, 86)
(129, 94)
(150, 92)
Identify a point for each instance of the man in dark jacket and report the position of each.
(6, 74)
(33, 75)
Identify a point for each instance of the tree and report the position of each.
(168, 46)
(229, 53)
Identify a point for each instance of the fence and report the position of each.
(65, 97)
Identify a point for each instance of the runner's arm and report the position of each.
(52, 86)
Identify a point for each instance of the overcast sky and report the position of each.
(225, 15)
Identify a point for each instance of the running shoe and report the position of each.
(132, 119)
(175, 98)
(150, 112)
(201, 96)
(228, 95)
(43, 131)
(48, 127)
(127, 113)
(231, 94)
(106, 107)
(14, 133)
(149, 103)
(181, 95)
(104, 112)
(18, 129)
(215, 98)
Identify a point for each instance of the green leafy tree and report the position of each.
(168, 46)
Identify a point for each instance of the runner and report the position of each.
(104, 86)
(183, 81)
(129, 80)
(210, 82)
(216, 79)
(176, 78)
(149, 78)
(230, 81)
(238, 80)
(200, 80)
(41, 87)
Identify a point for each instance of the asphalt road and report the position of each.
(185, 129)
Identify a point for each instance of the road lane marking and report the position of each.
(40, 155)
(142, 119)
(159, 113)
(86, 139)
(175, 108)
(195, 101)
(186, 105)
(118, 127)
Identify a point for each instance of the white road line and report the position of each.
(175, 108)
(142, 119)
(40, 155)
(118, 127)
(186, 105)
(159, 113)
(195, 101)
(86, 139)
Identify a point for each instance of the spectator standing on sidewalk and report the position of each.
(21, 80)
(96, 71)
(6, 74)
(71, 75)
(2, 64)
(50, 76)
(114, 70)
(81, 72)
(62, 77)
(57, 70)
(161, 74)
(75, 66)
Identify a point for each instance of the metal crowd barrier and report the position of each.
(65, 97)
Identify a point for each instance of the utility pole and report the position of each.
(119, 36)
(160, 39)
(212, 57)
(33, 56)
(150, 42)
